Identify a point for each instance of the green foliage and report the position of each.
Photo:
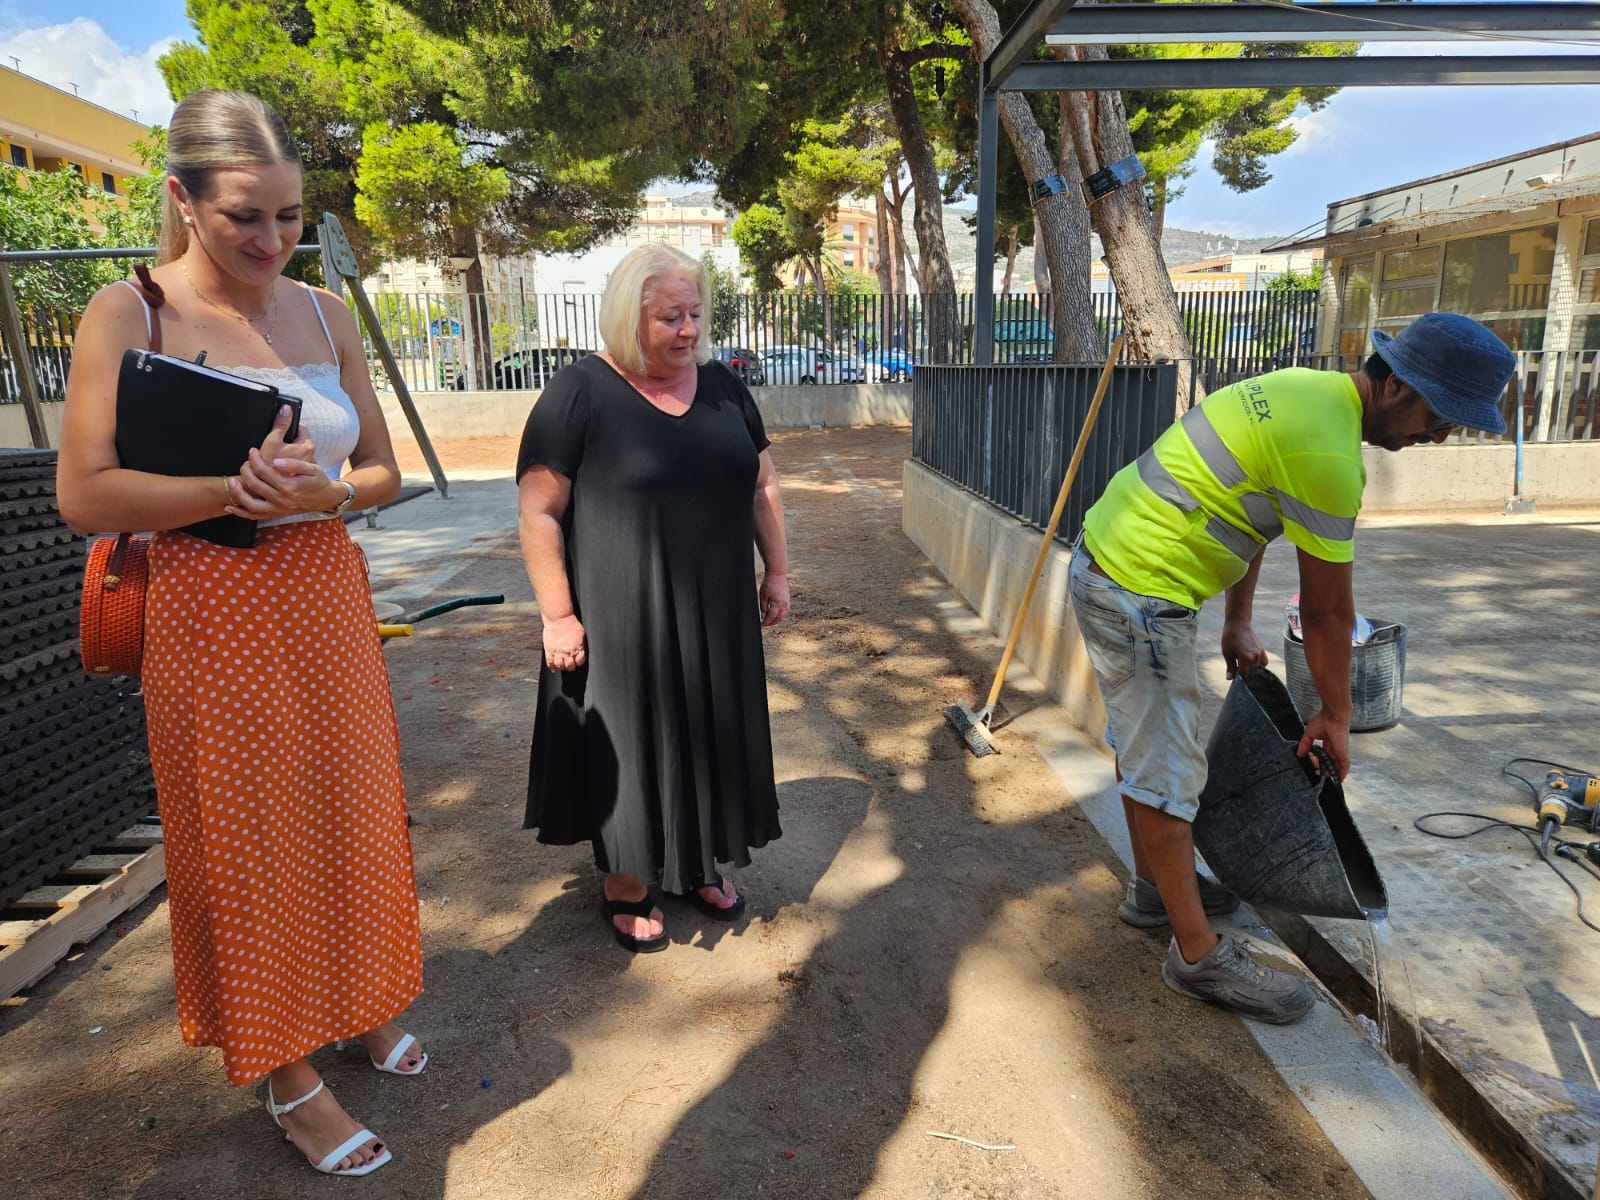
(55, 210)
(1296, 281)
(416, 187)
(1247, 125)
(137, 222)
(765, 243)
(724, 298)
(484, 171)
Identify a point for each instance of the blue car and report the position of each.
(888, 366)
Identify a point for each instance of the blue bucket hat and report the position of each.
(1458, 365)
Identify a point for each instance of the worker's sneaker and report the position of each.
(1229, 976)
(1142, 906)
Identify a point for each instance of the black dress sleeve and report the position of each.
(747, 406)
(558, 426)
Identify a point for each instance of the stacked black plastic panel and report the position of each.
(74, 769)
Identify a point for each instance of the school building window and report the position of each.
(108, 182)
(19, 156)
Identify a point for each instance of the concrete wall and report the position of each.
(493, 414)
(987, 556)
(1480, 478)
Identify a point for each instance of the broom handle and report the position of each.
(1055, 517)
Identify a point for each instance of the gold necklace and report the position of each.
(248, 321)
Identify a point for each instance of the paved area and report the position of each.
(1488, 956)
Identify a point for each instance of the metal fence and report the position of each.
(1008, 432)
(865, 337)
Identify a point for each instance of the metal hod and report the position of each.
(1272, 830)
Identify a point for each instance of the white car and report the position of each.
(792, 366)
(843, 368)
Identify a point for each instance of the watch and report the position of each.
(349, 498)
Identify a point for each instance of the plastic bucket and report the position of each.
(1273, 831)
(1377, 678)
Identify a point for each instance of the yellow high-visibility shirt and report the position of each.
(1280, 453)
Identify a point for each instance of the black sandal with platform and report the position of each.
(633, 908)
(715, 911)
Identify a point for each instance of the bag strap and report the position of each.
(155, 297)
(117, 563)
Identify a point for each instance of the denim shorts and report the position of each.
(1143, 651)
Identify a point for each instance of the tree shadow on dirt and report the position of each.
(960, 867)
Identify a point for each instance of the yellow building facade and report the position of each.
(43, 128)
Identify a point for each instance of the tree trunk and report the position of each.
(1150, 315)
(1011, 260)
(476, 328)
(1063, 229)
(1041, 265)
(887, 259)
(942, 318)
(908, 268)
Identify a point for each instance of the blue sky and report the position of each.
(1364, 140)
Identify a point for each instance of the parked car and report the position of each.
(842, 368)
(745, 363)
(1023, 342)
(528, 368)
(889, 366)
(791, 366)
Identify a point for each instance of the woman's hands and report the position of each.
(563, 643)
(280, 479)
(774, 599)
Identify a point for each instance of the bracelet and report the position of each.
(227, 490)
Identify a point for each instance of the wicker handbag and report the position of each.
(111, 617)
(111, 622)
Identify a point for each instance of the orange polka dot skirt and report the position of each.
(277, 765)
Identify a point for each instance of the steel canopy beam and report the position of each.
(1019, 42)
(1135, 24)
(1204, 73)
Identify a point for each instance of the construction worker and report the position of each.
(1279, 453)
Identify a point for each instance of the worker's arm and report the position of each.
(1241, 649)
(1327, 617)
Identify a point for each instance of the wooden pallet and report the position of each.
(50, 920)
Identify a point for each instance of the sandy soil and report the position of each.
(930, 948)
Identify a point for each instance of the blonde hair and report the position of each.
(630, 288)
(211, 129)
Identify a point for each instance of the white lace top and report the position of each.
(327, 414)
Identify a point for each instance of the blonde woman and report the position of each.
(272, 729)
(644, 479)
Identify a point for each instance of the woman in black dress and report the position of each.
(643, 480)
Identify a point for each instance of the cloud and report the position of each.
(81, 52)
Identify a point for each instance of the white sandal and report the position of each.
(390, 1065)
(338, 1152)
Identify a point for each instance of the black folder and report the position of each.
(176, 417)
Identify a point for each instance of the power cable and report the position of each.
(1543, 837)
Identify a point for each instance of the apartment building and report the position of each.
(46, 128)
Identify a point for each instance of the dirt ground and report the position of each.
(930, 948)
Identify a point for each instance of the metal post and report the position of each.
(337, 246)
(988, 154)
(27, 383)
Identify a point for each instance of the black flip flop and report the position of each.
(713, 911)
(633, 908)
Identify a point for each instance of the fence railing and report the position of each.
(1008, 432)
(435, 335)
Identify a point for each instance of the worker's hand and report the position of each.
(563, 643)
(774, 599)
(1241, 649)
(1335, 739)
